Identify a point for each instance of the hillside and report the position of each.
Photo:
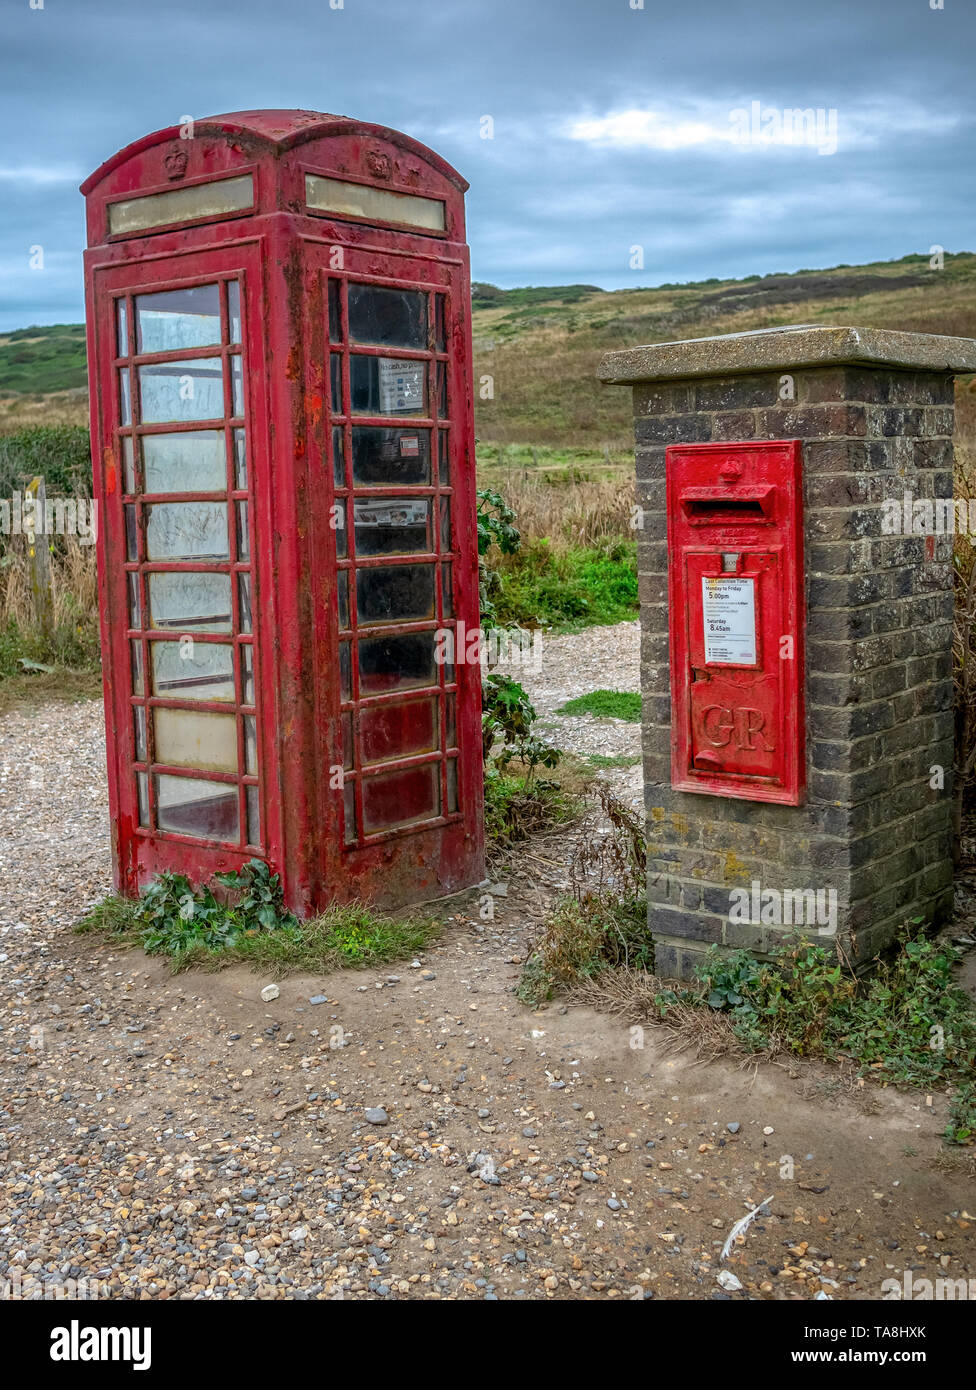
(541, 346)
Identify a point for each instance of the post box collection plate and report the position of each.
(735, 547)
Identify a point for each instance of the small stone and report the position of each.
(733, 1126)
(318, 999)
(768, 1129)
(270, 992)
(376, 1115)
(728, 1281)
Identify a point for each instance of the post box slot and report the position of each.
(728, 507)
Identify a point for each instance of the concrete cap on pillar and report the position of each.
(797, 345)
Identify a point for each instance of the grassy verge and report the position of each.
(196, 928)
(568, 588)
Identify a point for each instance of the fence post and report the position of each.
(39, 560)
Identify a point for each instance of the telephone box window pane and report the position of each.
(452, 786)
(342, 590)
(373, 204)
(128, 464)
(342, 545)
(237, 386)
(400, 798)
(442, 389)
(191, 461)
(347, 757)
(223, 196)
(440, 337)
(244, 602)
(388, 385)
(250, 745)
(349, 812)
(139, 732)
(383, 317)
(450, 721)
(193, 670)
(131, 533)
(345, 672)
(135, 606)
(396, 662)
(445, 508)
(142, 792)
(335, 383)
(447, 590)
(188, 806)
(399, 593)
(187, 531)
(398, 730)
(253, 816)
(393, 526)
(125, 397)
(383, 456)
(182, 391)
(444, 458)
(243, 535)
(234, 310)
(174, 319)
(335, 316)
(247, 674)
(190, 602)
(240, 460)
(338, 458)
(123, 328)
(196, 738)
(138, 686)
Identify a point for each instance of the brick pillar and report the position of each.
(874, 412)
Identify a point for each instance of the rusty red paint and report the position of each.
(735, 542)
(408, 824)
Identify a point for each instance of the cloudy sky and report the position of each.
(633, 141)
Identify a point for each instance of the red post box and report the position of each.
(279, 356)
(735, 563)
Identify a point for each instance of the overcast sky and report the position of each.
(615, 126)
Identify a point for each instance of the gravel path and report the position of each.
(600, 658)
(418, 1133)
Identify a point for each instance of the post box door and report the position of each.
(735, 561)
(177, 479)
(733, 618)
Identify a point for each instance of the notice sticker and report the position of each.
(729, 618)
(401, 385)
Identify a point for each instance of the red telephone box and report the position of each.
(735, 564)
(279, 346)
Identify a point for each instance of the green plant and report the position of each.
(173, 918)
(195, 927)
(508, 715)
(496, 526)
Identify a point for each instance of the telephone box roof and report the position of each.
(278, 131)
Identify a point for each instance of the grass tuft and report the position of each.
(606, 704)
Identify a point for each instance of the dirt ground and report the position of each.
(176, 1137)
